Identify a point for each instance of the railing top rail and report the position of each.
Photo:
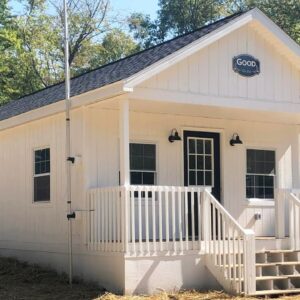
(295, 199)
(228, 215)
(155, 188)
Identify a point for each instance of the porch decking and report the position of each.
(142, 221)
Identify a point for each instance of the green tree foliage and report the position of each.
(177, 17)
(32, 47)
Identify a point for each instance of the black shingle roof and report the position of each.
(107, 74)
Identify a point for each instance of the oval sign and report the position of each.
(246, 65)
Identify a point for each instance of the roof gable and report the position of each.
(258, 20)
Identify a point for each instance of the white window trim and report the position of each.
(40, 175)
(261, 201)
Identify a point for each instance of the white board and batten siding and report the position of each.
(102, 156)
(206, 77)
(23, 223)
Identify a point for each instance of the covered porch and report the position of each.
(172, 217)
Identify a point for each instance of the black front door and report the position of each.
(202, 160)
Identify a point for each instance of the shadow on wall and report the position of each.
(174, 273)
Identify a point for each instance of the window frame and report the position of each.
(148, 142)
(267, 201)
(40, 175)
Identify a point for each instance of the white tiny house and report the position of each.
(186, 166)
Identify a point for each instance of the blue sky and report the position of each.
(127, 6)
(124, 7)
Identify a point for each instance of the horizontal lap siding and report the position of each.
(209, 71)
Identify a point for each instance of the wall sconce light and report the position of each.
(174, 136)
(235, 140)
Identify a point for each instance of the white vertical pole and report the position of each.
(280, 195)
(125, 171)
(124, 141)
(68, 142)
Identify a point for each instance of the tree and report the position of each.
(176, 17)
(286, 14)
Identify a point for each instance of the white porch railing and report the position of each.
(152, 220)
(230, 248)
(294, 221)
(144, 220)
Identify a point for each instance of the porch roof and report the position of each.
(108, 74)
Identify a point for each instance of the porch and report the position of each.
(158, 221)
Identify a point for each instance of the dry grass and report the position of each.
(21, 281)
(186, 295)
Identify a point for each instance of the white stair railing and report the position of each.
(294, 221)
(230, 248)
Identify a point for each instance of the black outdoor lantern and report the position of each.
(174, 136)
(235, 140)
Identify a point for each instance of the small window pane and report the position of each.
(208, 178)
(269, 181)
(192, 147)
(42, 188)
(269, 193)
(200, 147)
(149, 150)
(207, 147)
(200, 178)
(192, 177)
(148, 178)
(250, 180)
(208, 165)
(250, 192)
(200, 162)
(149, 163)
(136, 177)
(192, 161)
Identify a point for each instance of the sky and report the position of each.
(127, 6)
(124, 7)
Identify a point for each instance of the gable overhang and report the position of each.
(255, 18)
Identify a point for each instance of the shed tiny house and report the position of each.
(186, 166)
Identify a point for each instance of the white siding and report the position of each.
(103, 155)
(37, 225)
(209, 72)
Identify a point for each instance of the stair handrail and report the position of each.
(223, 236)
(294, 222)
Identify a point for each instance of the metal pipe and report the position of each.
(68, 139)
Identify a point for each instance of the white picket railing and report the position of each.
(294, 221)
(230, 248)
(144, 220)
(147, 220)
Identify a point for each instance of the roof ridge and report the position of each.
(129, 56)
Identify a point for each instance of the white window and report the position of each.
(142, 164)
(260, 177)
(41, 178)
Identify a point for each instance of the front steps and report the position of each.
(277, 272)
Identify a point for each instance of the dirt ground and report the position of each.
(21, 281)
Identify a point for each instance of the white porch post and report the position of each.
(280, 202)
(124, 141)
(124, 168)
